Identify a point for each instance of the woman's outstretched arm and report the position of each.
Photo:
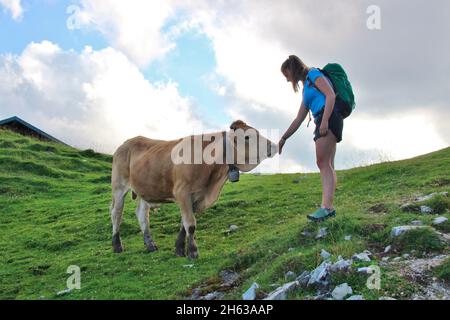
(302, 113)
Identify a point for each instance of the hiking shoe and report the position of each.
(322, 214)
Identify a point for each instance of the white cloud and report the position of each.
(14, 6)
(92, 99)
(399, 136)
(133, 26)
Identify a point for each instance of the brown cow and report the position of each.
(147, 167)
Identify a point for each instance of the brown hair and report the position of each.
(297, 68)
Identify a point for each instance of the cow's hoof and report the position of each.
(180, 252)
(152, 248)
(117, 244)
(117, 249)
(193, 254)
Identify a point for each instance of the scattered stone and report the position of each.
(405, 256)
(341, 291)
(289, 276)
(282, 292)
(439, 220)
(425, 210)
(429, 196)
(322, 233)
(229, 278)
(233, 228)
(363, 256)
(213, 296)
(307, 234)
(64, 292)
(303, 279)
(325, 254)
(418, 268)
(341, 265)
(385, 259)
(291, 249)
(396, 259)
(348, 238)
(365, 270)
(416, 223)
(397, 231)
(250, 294)
(319, 275)
(387, 249)
(196, 294)
(356, 297)
(386, 298)
(188, 266)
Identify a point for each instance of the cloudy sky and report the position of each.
(94, 73)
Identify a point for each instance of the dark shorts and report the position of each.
(335, 123)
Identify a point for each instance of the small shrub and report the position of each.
(420, 239)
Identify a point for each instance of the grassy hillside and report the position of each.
(54, 212)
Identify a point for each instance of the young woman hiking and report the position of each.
(319, 98)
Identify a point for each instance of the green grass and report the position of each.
(443, 271)
(421, 239)
(54, 212)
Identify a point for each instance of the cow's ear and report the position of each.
(238, 124)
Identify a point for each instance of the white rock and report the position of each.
(416, 223)
(406, 256)
(250, 294)
(325, 254)
(233, 228)
(425, 210)
(363, 256)
(307, 234)
(387, 249)
(397, 231)
(429, 196)
(303, 279)
(64, 292)
(386, 298)
(341, 291)
(348, 238)
(439, 220)
(356, 297)
(322, 233)
(396, 259)
(214, 296)
(385, 259)
(282, 292)
(365, 270)
(319, 274)
(341, 265)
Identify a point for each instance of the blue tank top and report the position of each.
(313, 99)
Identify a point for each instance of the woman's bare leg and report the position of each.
(325, 151)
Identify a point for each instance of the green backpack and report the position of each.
(342, 87)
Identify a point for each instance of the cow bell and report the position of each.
(233, 174)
